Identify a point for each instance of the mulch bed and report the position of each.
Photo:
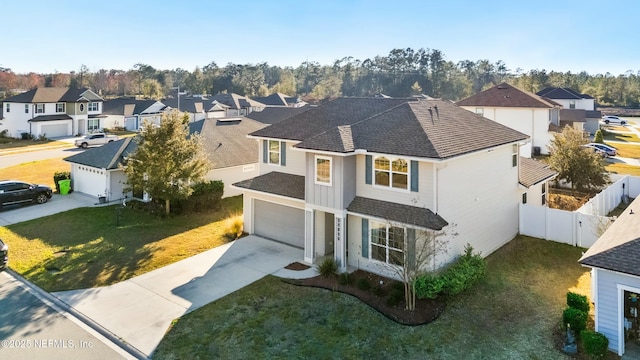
(297, 266)
(377, 296)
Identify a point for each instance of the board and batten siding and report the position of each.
(608, 318)
(343, 183)
(294, 160)
(480, 194)
(421, 198)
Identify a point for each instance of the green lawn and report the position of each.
(623, 169)
(628, 137)
(511, 314)
(88, 247)
(37, 172)
(628, 151)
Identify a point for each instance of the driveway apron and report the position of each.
(140, 310)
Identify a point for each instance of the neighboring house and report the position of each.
(576, 108)
(131, 113)
(534, 178)
(280, 100)
(353, 177)
(238, 105)
(199, 107)
(233, 156)
(615, 276)
(52, 112)
(273, 115)
(520, 110)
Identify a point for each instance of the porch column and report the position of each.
(340, 243)
(309, 234)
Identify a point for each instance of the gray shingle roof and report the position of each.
(404, 214)
(273, 115)
(338, 112)
(505, 95)
(126, 106)
(425, 128)
(226, 142)
(277, 183)
(562, 93)
(275, 99)
(533, 172)
(235, 101)
(618, 249)
(108, 156)
(50, 118)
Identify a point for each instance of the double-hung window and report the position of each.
(544, 194)
(391, 172)
(39, 108)
(323, 170)
(93, 124)
(93, 106)
(26, 108)
(514, 155)
(274, 152)
(60, 107)
(387, 243)
(8, 108)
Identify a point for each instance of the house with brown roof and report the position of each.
(615, 280)
(52, 112)
(238, 105)
(528, 113)
(355, 177)
(280, 100)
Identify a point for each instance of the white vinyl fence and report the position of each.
(584, 226)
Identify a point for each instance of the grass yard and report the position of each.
(623, 169)
(37, 172)
(627, 137)
(628, 151)
(514, 313)
(84, 247)
(11, 143)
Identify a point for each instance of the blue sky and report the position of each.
(562, 35)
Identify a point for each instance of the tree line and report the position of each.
(403, 72)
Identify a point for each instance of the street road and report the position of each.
(10, 159)
(31, 329)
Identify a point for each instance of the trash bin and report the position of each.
(65, 186)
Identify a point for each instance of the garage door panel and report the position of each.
(279, 222)
(55, 130)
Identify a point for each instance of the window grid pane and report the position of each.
(323, 170)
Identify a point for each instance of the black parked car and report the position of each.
(18, 192)
(4, 250)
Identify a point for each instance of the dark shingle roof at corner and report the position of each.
(275, 99)
(277, 183)
(117, 106)
(426, 128)
(562, 93)
(405, 214)
(273, 115)
(108, 156)
(505, 95)
(533, 172)
(618, 249)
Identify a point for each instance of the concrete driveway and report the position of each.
(18, 213)
(140, 310)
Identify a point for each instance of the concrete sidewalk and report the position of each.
(140, 310)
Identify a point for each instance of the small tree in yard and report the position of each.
(419, 250)
(168, 160)
(580, 166)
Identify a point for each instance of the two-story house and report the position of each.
(353, 177)
(525, 112)
(52, 112)
(577, 109)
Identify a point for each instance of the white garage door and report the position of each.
(279, 222)
(54, 130)
(87, 180)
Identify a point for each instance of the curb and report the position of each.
(43, 295)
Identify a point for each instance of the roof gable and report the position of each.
(505, 95)
(108, 156)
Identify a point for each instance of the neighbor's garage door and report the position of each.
(279, 222)
(55, 130)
